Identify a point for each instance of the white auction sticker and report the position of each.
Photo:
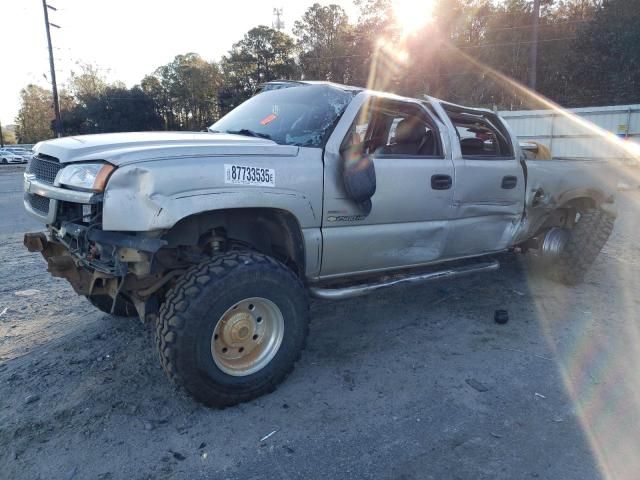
(244, 175)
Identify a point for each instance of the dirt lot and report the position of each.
(414, 383)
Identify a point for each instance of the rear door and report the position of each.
(490, 183)
(410, 211)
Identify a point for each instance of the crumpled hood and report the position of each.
(125, 148)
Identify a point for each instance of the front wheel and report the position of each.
(232, 328)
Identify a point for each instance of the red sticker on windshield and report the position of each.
(268, 119)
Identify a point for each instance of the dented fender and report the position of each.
(156, 195)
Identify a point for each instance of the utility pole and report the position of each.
(57, 128)
(1, 138)
(278, 23)
(533, 52)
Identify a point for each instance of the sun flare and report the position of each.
(411, 15)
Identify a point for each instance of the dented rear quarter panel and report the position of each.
(558, 181)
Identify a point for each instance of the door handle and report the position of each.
(509, 182)
(441, 182)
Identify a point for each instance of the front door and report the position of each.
(411, 208)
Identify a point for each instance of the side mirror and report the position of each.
(359, 177)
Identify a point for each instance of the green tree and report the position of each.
(35, 116)
(115, 109)
(375, 22)
(453, 57)
(326, 41)
(185, 92)
(8, 136)
(88, 83)
(264, 54)
(160, 96)
(606, 60)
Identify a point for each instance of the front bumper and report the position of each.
(45, 210)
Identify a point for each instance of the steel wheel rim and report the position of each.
(247, 336)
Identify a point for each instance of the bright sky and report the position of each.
(127, 39)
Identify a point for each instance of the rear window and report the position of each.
(480, 135)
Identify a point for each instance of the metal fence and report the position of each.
(566, 138)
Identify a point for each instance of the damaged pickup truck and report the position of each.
(306, 189)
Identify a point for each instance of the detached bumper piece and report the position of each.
(35, 242)
(79, 268)
(59, 262)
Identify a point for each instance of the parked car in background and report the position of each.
(7, 157)
(21, 152)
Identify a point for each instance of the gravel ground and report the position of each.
(413, 383)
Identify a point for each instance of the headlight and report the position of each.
(86, 176)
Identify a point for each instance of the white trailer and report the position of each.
(567, 138)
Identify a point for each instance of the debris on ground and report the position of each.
(177, 455)
(31, 399)
(29, 292)
(268, 435)
(476, 385)
(501, 316)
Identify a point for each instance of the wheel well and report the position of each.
(581, 204)
(563, 216)
(271, 231)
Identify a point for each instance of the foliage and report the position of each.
(8, 136)
(263, 54)
(608, 55)
(86, 84)
(33, 122)
(184, 92)
(325, 40)
(114, 109)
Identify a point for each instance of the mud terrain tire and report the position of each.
(188, 319)
(585, 241)
(124, 308)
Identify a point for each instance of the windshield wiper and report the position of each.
(249, 133)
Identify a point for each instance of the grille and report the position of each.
(38, 203)
(45, 168)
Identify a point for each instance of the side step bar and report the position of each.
(364, 289)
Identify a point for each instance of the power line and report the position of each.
(542, 25)
(509, 43)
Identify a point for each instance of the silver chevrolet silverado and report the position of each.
(306, 189)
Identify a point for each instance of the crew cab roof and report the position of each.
(277, 84)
